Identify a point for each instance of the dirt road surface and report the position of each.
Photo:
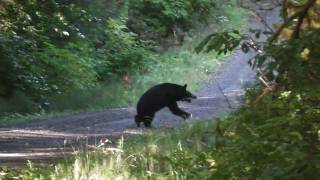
(56, 137)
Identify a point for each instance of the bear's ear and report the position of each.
(185, 86)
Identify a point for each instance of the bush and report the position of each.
(121, 52)
(275, 139)
(157, 19)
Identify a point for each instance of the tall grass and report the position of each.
(160, 154)
(179, 67)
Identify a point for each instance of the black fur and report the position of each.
(160, 96)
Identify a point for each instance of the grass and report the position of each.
(159, 154)
(181, 67)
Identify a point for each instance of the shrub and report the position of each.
(165, 18)
(275, 139)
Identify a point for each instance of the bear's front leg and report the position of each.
(177, 111)
(186, 115)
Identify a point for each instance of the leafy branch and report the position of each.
(300, 15)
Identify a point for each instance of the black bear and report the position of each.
(160, 96)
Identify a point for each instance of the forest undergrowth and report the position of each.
(100, 61)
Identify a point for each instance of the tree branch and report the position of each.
(288, 21)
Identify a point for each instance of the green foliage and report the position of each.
(37, 55)
(220, 42)
(164, 18)
(277, 135)
(19, 102)
(49, 51)
(121, 51)
(42, 71)
(29, 173)
(65, 68)
(175, 66)
(275, 139)
(44, 52)
(295, 65)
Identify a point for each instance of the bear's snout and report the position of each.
(188, 99)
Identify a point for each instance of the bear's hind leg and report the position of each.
(147, 124)
(147, 120)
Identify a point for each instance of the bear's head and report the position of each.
(186, 95)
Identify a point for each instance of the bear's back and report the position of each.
(157, 97)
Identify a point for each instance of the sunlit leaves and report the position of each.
(297, 2)
(293, 6)
(305, 54)
(311, 19)
(295, 136)
(286, 33)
